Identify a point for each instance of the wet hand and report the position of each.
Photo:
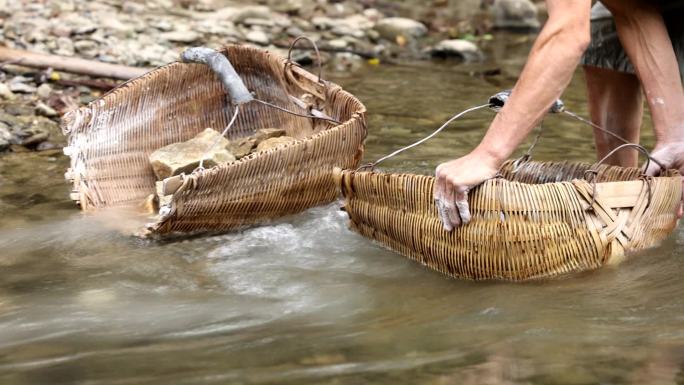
(454, 179)
(671, 156)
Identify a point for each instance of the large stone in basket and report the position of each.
(110, 141)
(543, 220)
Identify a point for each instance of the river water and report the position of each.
(306, 301)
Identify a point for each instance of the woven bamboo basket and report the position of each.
(110, 141)
(543, 220)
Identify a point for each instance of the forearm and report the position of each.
(549, 69)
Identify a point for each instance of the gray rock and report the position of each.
(132, 7)
(392, 27)
(32, 136)
(45, 146)
(185, 157)
(288, 6)
(17, 108)
(338, 43)
(6, 93)
(44, 91)
(463, 49)
(5, 137)
(180, 36)
(259, 22)
(65, 47)
(515, 14)
(61, 30)
(87, 48)
(162, 25)
(45, 110)
(257, 37)
(22, 88)
(252, 12)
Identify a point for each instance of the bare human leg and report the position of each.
(616, 104)
(644, 36)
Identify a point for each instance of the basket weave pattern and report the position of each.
(110, 141)
(538, 222)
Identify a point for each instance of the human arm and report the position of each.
(548, 72)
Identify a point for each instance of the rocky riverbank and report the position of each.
(154, 32)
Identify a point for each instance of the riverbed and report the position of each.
(306, 301)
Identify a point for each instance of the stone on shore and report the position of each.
(6, 93)
(393, 27)
(515, 14)
(180, 36)
(185, 157)
(458, 48)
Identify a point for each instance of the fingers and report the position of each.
(461, 202)
(451, 202)
(440, 199)
(452, 213)
(653, 169)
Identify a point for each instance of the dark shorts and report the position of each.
(605, 50)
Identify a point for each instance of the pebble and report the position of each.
(515, 14)
(5, 137)
(181, 36)
(459, 48)
(257, 37)
(132, 7)
(6, 93)
(45, 110)
(44, 91)
(22, 88)
(393, 27)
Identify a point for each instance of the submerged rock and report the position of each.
(185, 157)
(515, 14)
(393, 27)
(257, 37)
(458, 48)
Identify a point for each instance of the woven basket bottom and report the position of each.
(539, 220)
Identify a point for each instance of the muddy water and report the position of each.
(304, 300)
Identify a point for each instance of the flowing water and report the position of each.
(306, 301)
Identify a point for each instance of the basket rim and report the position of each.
(69, 117)
(672, 173)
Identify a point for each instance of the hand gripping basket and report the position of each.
(111, 138)
(541, 221)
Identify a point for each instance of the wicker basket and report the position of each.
(541, 221)
(111, 138)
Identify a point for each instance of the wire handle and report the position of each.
(637, 147)
(647, 180)
(318, 54)
(372, 165)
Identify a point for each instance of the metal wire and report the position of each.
(596, 126)
(425, 139)
(223, 134)
(296, 113)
